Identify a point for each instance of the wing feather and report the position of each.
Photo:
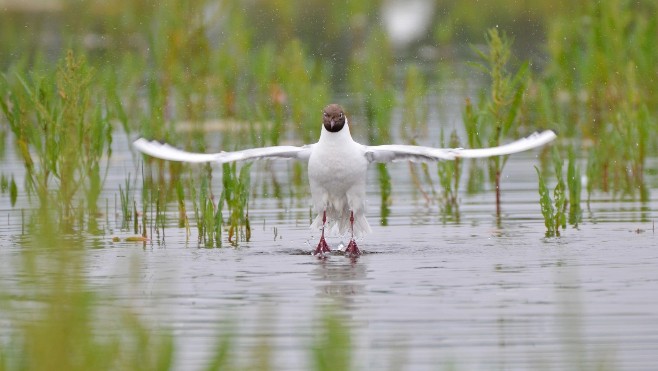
(394, 152)
(167, 152)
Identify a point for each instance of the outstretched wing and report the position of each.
(394, 152)
(167, 152)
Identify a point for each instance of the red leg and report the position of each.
(352, 249)
(323, 247)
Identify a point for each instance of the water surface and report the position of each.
(478, 294)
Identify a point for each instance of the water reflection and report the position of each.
(340, 278)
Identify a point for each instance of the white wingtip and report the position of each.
(545, 136)
(534, 140)
(141, 145)
(167, 152)
(144, 146)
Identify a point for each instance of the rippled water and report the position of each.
(425, 295)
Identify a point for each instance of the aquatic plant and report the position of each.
(160, 218)
(304, 82)
(385, 190)
(547, 209)
(414, 105)
(62, 138)
(183, 221)
(559, 194)
(497, 114)
(476, 175)
(415, 113)
(554, 208)
(599, 80)
(370, 77)
(126, 202)
(616, 161)
(7, 185)
(235, 194)
(207, 215)
(574, 185)
(449, 173)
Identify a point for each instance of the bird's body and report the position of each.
(337, 168)
(336, 173)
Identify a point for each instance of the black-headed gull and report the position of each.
(337, 168)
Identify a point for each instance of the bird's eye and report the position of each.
(341, 115)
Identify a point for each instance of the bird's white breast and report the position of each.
(337, 171)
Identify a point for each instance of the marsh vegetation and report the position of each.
(77, 79)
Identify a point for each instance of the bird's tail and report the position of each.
(361, 226)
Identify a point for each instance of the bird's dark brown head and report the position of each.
(333, 118)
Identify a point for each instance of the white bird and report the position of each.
(337, 168)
